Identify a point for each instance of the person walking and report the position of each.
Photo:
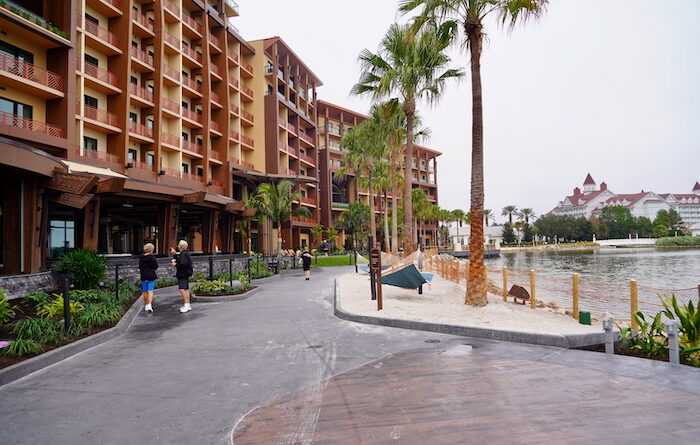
(184, 269)
(147, 269)
(306, 262)
(325, 247)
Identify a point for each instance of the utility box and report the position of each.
(584, 317)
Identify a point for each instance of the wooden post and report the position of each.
(575, 296)
(533, 302)
(505, 283)
(633, 303)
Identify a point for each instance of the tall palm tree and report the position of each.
(468, 16)
(383, 178)
(488, 217)
(509, 211)
(421, 207)
(526, 214)
(275, 202)
(414, 66)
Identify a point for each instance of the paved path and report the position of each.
(187, 379)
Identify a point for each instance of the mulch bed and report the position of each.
(663, 357)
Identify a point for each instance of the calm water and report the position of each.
(663, 268)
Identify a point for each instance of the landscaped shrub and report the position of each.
(36, 299)
(85, 265)
(165, 282)
(7, 310)
(679, 241)
(96, 315)
(688, 317)
(214, 288)
(649, 339)
(54, 308)
(199, 276)
(22, 347)
(239, 275)
(259, 269)
(42, 330)
(90, 296)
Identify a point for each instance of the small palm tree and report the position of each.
(276, 203)
(526, 214)
(509, 211)
(413, 66)
(354, 220)
(383, 177)
(451, 17)
(488, 217)
(460, 216)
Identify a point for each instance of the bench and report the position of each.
(273, 264)
(519, 293)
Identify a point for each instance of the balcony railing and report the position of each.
(247, 90)
(30, 72)
(141, 165)
(286, 125)
(30, 124)
(308, 159)
(141, 129)
(214, 69)
(193, 147)
(215, 155)
(247, 66)
(143, 21)
(171, 72)
(192, 23)
(288, 148)
(307, 200)
(192, 84)
(116, 3)
(245, 164)
(100, 155)
(171, 40)
(305, 137)
(234, 109)
(287, 171)
(216, 182)
(303, 220)
(101, 74)
(236, 136)
(248, 141)
(234, 56)
(141, 92)
(249, 117)
(142, 56)
(170, 139)
(101, 33)
(234, 82)
(215, 40)
(191, 115)
(191, 177)
(215, 126)
(191, 53)
(170, 105)
(215, 97)
(172, 172)
(233, 5)
(95, 114)
(171, 7)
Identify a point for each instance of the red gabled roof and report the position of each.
(696, 186)
(589, 180)
(631, 198)
(574, 199)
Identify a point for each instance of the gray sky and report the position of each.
(613, 90)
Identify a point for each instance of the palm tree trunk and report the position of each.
(394, 216)
(372, 216)
(386, 224)
(476, 287)
(409, 232)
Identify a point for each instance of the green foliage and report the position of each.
(259, 269)
(21, 347)
(90, 296)
(199, 276)
(43, 330)
(688, 317)
(335, 260)
(649, 340)
(508, 234)
(165, 282)
(354, 219)
(86, 266)
(679, 241)
(127, 289)
(54, 308)
(274, 201)
(239, 275)
(565, 228)
(7, 310)
(95, 315)
(618, 221)
(667, 222)
(217, 288)
(36, 299)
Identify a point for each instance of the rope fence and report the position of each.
(567, 295)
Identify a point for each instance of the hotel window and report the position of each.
(90, 101)
(269, 90)
(133, 117)
(61, 236)
(17, 109)
(18, 53)
(93, 60)
(185, 168)
(132, 154)
(200, 171)
(91, 19)
(149, 123)
(302, 173)
(134, 44)
(185, 137)
(150, 159)
(89, 143)
(134, 81)
(268, 67)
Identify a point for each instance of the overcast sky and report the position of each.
(611, 88)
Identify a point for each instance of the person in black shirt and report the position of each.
(147, 268)
(183, 271)
(306, 262)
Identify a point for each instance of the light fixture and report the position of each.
(128, 205)
(129, 165)
(161, 173)
(209, 184)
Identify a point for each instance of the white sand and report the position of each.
(443, 302)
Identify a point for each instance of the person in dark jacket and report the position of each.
(147, 268)
(183, 271)
(306, 262)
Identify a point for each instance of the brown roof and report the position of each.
(632, 198)
(696, 186)
(277, 39)
(589, 180)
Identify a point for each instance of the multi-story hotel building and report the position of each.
(333, 122)
(122, 122)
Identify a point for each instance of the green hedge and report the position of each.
(679, 241)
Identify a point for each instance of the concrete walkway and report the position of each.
(189, 378)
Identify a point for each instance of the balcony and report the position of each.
(170, 139)
(142, 131)
(234, 110)
(287, 126)
(194, 56)
(306, 138)
(308, 159)
(231, 8)
(215, 155)
(99, 119)
(99, 156)
(234, 83)
(144, 25)
(191, 116)
(144, 61)
(172, 73)
(172, 10)
(171, 107)
(214, 70)
(246, 141)
(246, 69)
(29, 78)
(100, 38)
(243, 164)
(307, 200)
(216, 182)
(109, 8)
(304, 221)
(215, 43)
(340, 205)
(192, 85)
(215, 100)
(235, 136)
(248, 119)
(100, 79)
(191, 177)
(193, 25)
(233, 56)
(172, 43)
(287, 171)
(246, 94)
(287, 149)
(141, 165)
(193, 147)
(143, 95)
(13, 120)
(214, 127)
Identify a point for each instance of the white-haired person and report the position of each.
(147, 269)
(184, 269)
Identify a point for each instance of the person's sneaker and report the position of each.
(148, 308)
(185, 308)
(307, 279)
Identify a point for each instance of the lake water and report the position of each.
(662, 268)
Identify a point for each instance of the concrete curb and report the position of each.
(561, 341)
(205, 299)
(23, 369)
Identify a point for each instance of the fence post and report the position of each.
(230, 271)
(66, 302)
(575, 302)
(672, 331)
(633, 303)
(505, 283)
(609, 340)
(533, 302)
(116, 281)
(211, 268)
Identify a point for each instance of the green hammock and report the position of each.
(407, 277)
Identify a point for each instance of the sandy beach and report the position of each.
(443, 302)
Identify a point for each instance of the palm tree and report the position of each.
(509, 211)
(488, 216)
(383, 177)
(274, 202)
(469, 15)
(354, 220)
(526, 214)
(412, 65)
(421, 207)
(460, 216)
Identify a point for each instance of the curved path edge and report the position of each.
(34, 364)
(561, 341)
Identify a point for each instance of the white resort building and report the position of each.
(592, 199)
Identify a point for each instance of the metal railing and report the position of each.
(171, 7)
(143, 21)
(101, 33)
(192, 23)
(192, 147)
(214, 40)
(170, 105)
(191, 53)
(142, 56)
(141, 165)
(171, 72)
(215, 155)
(247, 66)
(141, 92)
(95, 114)
(306, 138)
(308, 159)
(192, 84)
(141, 129)
(30, 124)
(191, 115)
(101, 74)
(213, 125)
(170, 139)
(30, 72)
(171, 40)
(99, 155)
(247, 91)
